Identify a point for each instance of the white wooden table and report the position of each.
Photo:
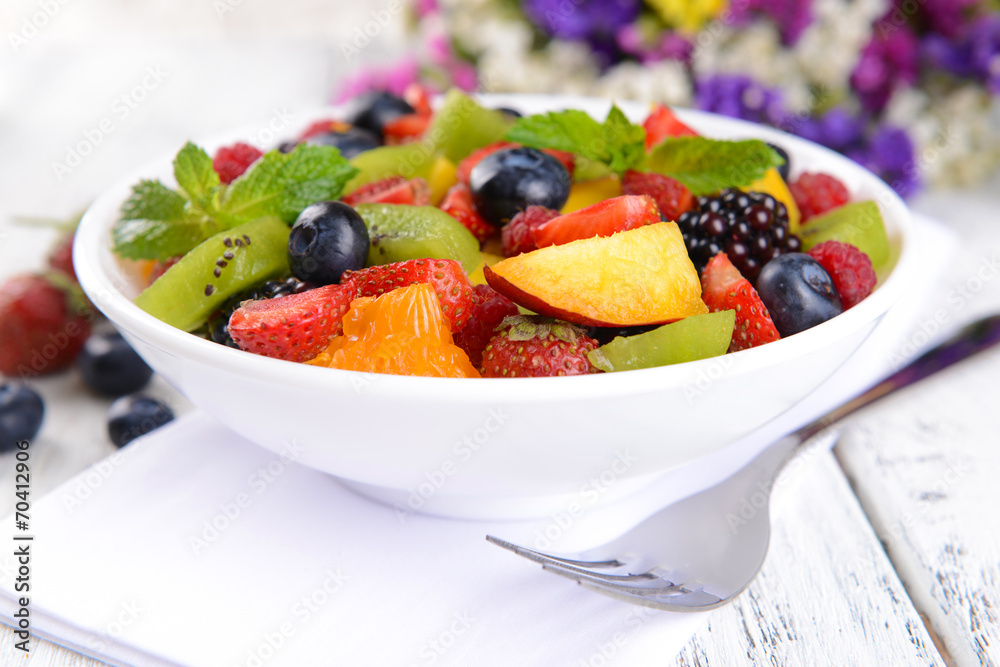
(886, 551)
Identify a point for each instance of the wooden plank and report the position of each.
(924, 469)
(924, 465)
(827, 594)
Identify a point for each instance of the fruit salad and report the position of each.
(465, 241)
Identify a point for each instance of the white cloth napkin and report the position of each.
(193, 546)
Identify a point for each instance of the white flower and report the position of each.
(664, 81)
(955, 133)
(829, 48)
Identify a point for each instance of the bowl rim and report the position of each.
(91, 245)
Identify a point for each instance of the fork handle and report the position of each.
(968, 341)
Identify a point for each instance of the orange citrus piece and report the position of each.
(401, 332)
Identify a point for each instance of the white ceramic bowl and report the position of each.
(500, 448)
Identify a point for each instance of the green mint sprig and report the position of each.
(617, 142)
(157, 222)
(706, 165)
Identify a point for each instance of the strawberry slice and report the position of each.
(419, 97)
(724, 288)
(295, 327)
(671, 196)
(444, 275)
(604, 218)
(458, 204)
(406, 128)
(392, 190)
(662, 123)
(475, 157)
(489, 308)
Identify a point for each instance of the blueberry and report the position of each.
(373, 110)
(328, 238)
(798, 293)
(509, 181)
(350, 142)
(21, 412)
(134, 415)
(513, 114)
(110, 366)
(783, 169)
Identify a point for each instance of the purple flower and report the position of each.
(740, 97)
(888, 61)
(890, 155)
(974, 54)
(667, 46)
(582, 19)
(946, 17)
(791, 16)
(394, 79)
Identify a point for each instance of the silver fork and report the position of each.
(699, 553)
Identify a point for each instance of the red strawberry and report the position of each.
(231, 161)
(662, 123)
(518, 235)
(723, 288)
(816, 194)
(671, 196)
(43, 324)
(533, 346)
(61, 255)
(444, 275)
(604, 218)
(418, 97)
(406, 128)
(458, 204)
(850, 269)
(475, 157)
(392, 190)
(295, 327)
(489, 308)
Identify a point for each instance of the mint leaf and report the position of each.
(195, 175)
(709, 165)
(155, 224)
(626, 143)
(153, 200)
(155, 239)
(282, 184)
(617, 142)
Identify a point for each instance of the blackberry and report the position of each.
(750, 227)
(218, 322)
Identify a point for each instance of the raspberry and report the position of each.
(489, 308)
(231, 161)
(671, 196)
(850, 268)
(518, 234)
(816, 194)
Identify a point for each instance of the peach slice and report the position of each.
(639, 276)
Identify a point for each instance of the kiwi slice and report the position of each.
(408, 160)
(858, 223)
(216, 269)
(462, 125)
(694, 337)
(399, 232)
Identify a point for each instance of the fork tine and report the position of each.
(632, 583)
(544, 558)
(686, 601)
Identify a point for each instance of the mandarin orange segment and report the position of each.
(402, 332)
